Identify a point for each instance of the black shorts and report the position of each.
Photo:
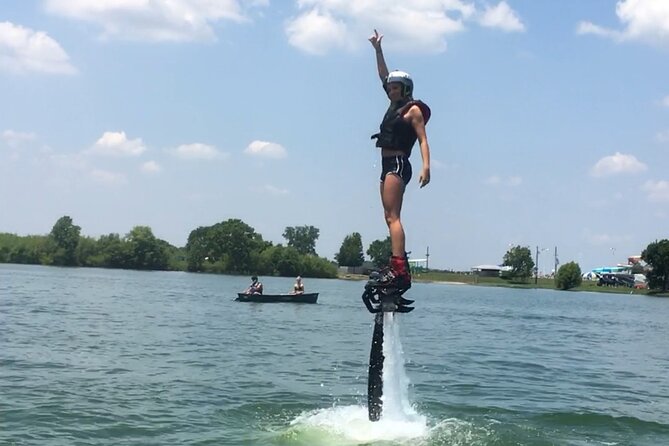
(398, 165)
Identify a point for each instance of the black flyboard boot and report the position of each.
(385, 299)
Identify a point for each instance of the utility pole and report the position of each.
(536, 267)
(536, 274)
(557, 262)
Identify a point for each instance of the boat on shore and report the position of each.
(304, 298)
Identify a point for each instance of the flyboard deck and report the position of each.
(379, 300)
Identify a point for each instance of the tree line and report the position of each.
(234, 247)
(656, 256)
(231, 247)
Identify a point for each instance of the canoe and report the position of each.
(305, 298)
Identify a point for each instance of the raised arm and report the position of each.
(375, 39)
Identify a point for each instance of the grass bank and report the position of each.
(471, 279)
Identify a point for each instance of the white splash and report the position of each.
(350, 424)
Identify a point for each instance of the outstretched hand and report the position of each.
(375, 39)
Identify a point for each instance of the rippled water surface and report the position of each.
(104, 357)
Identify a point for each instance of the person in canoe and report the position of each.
(255, 287)
(298, 288)
(402, 125)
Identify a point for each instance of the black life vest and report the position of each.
(396, 132)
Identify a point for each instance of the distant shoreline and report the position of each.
(465, 279)
(542, 283)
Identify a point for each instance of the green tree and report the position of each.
(177, 257)
(30, 250)
(113, 252)
(88, 253)
(282, 261)
(232, 244)
(266, 260)
(350, 252)
(519, 258)
(568, 276)
(656, 255)
(65, 236)
(289, 262)
(379, 251)
(302, 238)
(313, 266)
(197, 248)
(237, 240)
(145, 250)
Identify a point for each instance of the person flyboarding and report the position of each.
(403, 124)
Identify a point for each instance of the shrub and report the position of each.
(568, 276)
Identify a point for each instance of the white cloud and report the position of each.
(272, 190)
(515, 181)
(665, 101)
(150, 167)
(591, 28)
(658, 191)
(77, 165)
(106, 177)
(412, 25)
(316, 33)
(439, 165)
(642, 20)
(493, 180)
(24, 50)
(617, 164)
(496, 180)
(156, 20)
(266, 149)
(74, 161)
(662, 136)
(198, 151)
(15, 139)
(117, 144)
(501, 17)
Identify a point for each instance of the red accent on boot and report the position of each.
(399, 267)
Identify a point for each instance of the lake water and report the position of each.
(106, 357)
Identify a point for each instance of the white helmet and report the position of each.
(403, 78)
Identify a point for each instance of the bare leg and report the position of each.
(392, 194)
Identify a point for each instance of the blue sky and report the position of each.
(550, 122)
